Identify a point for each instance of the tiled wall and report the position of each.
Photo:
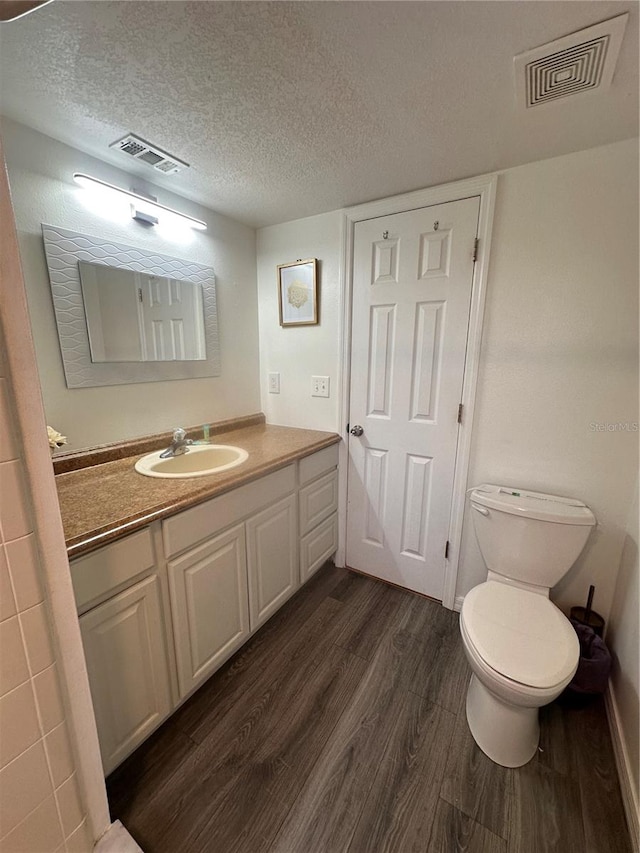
(40, 805)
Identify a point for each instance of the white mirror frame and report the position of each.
(63, 250)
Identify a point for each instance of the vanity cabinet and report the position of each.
(209, 604)
(163, 608)
(124, 645)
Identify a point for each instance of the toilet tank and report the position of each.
(529, 536)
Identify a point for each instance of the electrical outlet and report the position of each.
(274, 383)
(319, 386)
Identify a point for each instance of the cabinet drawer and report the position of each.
(312, 466)
(318, 500)
(316, 547)
(199, 523)
(95, 575)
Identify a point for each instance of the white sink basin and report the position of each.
(198, 461)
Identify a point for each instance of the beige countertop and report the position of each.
(103, 502)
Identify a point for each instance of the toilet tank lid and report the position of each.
(533, 504)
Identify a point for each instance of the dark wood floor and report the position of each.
(341, 727)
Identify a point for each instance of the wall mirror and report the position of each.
(137, 316)
(125, 315)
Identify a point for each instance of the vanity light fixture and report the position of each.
(142, 209)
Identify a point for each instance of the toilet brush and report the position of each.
(587, 616)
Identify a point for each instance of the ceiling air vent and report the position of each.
(578, 63)
(149, 154)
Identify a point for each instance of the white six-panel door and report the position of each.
(170, 319)
(412, 281)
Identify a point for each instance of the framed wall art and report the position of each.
(297, 293)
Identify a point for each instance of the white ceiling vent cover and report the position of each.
(149, 154)
(578, 63)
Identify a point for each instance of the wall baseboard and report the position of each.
(457, 604)
(623, 765)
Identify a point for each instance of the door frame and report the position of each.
(485, 188)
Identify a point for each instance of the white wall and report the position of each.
(40, 173)
(559, 346)
(624, 641)
(560, 351)
(300, 352)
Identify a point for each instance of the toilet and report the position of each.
(521, 648)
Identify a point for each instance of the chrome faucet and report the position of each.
(179, 444)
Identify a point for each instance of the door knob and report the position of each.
(356, 430)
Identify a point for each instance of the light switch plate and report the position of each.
(319, 386)
(274, 383)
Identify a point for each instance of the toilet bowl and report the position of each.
(522, 652)
(521, 648)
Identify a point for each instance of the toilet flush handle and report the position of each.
(481, 509)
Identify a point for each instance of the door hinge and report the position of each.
(446, 550)
(140, 294)
(460, 407)
(476, 243)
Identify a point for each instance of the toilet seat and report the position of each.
(520, 635)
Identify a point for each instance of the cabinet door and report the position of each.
(272, 559)
(127, 664)
(209, 603)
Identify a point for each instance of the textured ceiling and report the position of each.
(284, 110)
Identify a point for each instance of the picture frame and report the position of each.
(297, 293)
